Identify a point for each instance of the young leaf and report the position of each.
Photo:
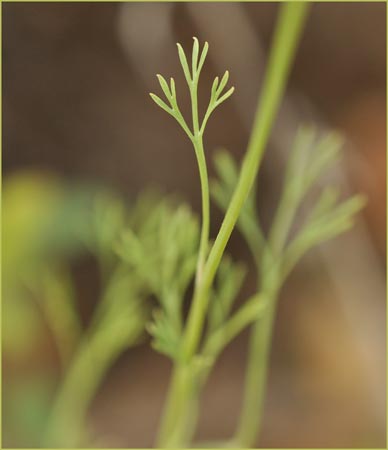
(223, 82)
(185, 66)
(195, 57)
(164, 86)
(161, 103)
(203, 57)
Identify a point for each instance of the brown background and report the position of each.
(76, 78)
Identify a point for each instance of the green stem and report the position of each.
(180, 412)
(250, 421)
(252, 309)
(96, 353)
(256, 379)
(179, 416)
(201, 160)
(66, 423)
(287, 34)
(204, 240)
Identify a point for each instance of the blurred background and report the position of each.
(77, 118)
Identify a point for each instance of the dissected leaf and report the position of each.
(163, 253)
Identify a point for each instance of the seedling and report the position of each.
(158, 250)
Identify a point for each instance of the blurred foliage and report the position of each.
(147, 251)
(31, 203)
(162, 251)
(276, 253)
(229, 280)
(312, 155)
(46, 224)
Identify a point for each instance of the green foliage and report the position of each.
(31, 201)
(53, 290)
(32, 281)
(22, 329)
(117, 322)
(177, 421)
(45, 223)
(157, 250)
(161, 249)
(229, 280)
(276, 255)
(27, 403)
(162, 252)
(166, 329)
(105, 219)
(222, 190)
(196, 133)
(310, 158)
(217, 96)
(121, 314)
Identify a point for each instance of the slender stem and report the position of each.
(287, 34)
(250, 420)
(256, 379)
(204, 240)
(178, 418)
(201, 160)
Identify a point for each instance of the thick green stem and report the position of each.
(180, 412)
(98, 349)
